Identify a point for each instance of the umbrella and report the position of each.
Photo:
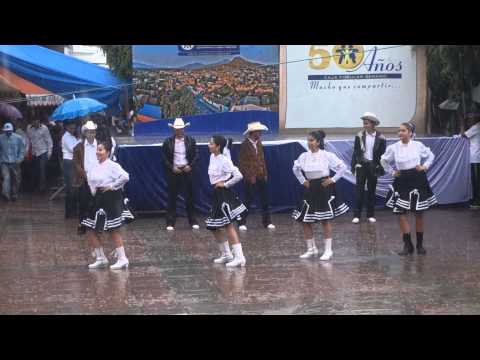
(10, 112)
(74, 108)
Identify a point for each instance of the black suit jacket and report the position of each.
(379, 148)
(169, 147)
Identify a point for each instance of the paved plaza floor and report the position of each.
(43, 268)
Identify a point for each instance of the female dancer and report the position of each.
(321, 202)
(109, 209)
(410, 190)
(226, 206)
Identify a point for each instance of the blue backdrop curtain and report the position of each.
(147, 189)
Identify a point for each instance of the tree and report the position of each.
(119, 59)
(452, 74)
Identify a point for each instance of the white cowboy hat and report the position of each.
(90, 125)
(255, 126)
(179, 124)
(8, 127)
(372, 117)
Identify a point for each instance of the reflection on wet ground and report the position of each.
(43, 268)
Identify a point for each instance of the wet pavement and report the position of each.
(43, 268)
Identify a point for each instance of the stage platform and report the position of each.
(147, 189)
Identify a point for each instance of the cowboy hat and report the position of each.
(89, 125)
(179, 124)
(255, 126)
(371, 117)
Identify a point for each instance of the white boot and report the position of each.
(238, 258)
(101, 259)
(226, 254)
(311, 250)
(327, 255)
(122, 261)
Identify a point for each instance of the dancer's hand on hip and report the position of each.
(327, 182)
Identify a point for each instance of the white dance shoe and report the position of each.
(242, 228)
(99, 263)
(120, 264)
(225, 258)
(271, 227)
(195, 227)
(327, 255)
(170, 228)
(238, 261)
(372, 220)
(356, 220)
(310, 253)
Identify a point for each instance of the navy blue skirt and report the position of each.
(108, 211)
(226, 208)
(319, 203)
(410, 192)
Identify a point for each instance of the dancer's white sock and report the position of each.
(99, 253)
(121, 252)
(328, 245)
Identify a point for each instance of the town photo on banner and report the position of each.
(208, 81)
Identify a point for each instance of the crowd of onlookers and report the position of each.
(37, 165)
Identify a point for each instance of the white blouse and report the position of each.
(406, 156)
(105, 174)
(221, 168)
(317, 165)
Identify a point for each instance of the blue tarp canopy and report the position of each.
(59, 73)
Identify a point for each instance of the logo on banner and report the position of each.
(348, 57)
(355, 61)
(198, 50)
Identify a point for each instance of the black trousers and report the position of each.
(85, 199)
(365, 175)
(259, 188)
(475, 183)
(176, 183)
(71, 202)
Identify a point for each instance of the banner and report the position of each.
(331, 86)
(186, 80)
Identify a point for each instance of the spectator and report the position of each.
(12, 153)
(42, 146)
(473, 135)
(69, 141)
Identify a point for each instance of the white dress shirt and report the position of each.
(90, 158)
(474, 135)
(112, 153)
(227, 153)
(254, 143)
(221, 168)
(406, 156)
(369, 143)
(317, 165)
(179, 153)
(107, 174)
(68, 143)
(40, 139)
(25, 138)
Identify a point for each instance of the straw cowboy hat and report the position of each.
(179, 124)
(255, 126)
(89, 125)
(371, 117)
